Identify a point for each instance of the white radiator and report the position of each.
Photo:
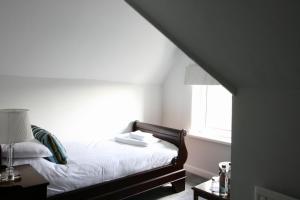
(265, 194)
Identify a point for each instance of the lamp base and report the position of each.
(10, 175)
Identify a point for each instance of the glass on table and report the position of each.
(215, 184)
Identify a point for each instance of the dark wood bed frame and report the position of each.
(134, 184)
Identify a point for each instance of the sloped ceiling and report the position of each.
(102, 40)
(241, 43)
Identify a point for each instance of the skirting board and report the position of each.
(198, 171)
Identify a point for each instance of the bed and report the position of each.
(147, 167)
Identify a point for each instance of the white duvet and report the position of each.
(100, 161)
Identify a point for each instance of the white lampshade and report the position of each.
(14, 126)
(195, 75)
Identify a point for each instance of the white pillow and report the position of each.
(28, 149)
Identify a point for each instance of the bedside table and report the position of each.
(203, 190)
(31, 186)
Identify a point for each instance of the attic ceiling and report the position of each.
(75, 39)
(241, 43)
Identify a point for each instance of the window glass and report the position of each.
(211, 110)
(219, 106)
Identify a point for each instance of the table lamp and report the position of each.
(14, 127)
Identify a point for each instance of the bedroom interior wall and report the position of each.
(75, 39)
(81, 109)
(63, 47)
(203, 156)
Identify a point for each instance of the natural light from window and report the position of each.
(211, 112)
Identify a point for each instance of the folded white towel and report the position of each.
(126, 139)
(138, 135)
(143, 136)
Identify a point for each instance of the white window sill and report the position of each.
(211, 136)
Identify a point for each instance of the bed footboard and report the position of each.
(171, 135)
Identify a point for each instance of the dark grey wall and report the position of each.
(253, 48)
(265, 141)
(240, 42)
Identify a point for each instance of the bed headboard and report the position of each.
(174, 136)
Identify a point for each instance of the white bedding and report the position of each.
(100, 161)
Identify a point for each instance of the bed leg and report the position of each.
(179, 185)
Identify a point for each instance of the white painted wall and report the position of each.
(81, 109)
(85, 39)
(176, 95)
(203, 156)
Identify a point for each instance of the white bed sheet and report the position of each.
(100, 161)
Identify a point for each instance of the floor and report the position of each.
(165, 192)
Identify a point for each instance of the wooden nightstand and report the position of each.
(203, 190)
(31, 186)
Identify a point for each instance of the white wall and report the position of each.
(85, 39)
(176, 95)
(203, 156)
(66, 45)
(81, 109)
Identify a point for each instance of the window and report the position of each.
(211, 112)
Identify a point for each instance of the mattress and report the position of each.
(100, 161)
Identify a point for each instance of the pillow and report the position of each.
(28, 149)
(54, 145)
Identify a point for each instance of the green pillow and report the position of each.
(50, 141)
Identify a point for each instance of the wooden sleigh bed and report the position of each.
(134, 184)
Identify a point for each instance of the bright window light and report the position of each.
(211, 112)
